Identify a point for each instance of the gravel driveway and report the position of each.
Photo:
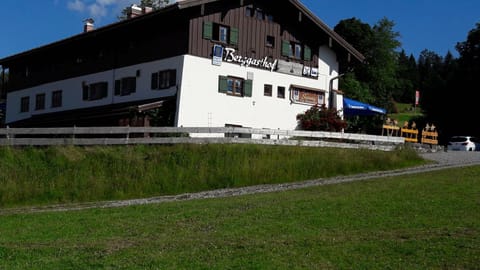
(443, 160)
(453, 158)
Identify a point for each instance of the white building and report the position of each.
(195, 63)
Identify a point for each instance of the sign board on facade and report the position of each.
(230, 55)
(217, 55)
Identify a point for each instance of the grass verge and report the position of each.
(40, 176)
(425, 221)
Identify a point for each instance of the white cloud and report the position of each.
(99, 8)
(76, 5)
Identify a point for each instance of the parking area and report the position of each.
(453, 157)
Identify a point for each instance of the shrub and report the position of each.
(321, 119)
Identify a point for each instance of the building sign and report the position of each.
(232, 57)
(307, 96)
(217, 55)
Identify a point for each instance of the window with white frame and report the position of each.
(164, 79)
(25, 104)
(235, 86)
(40, 102)
(281, 92)
(57, 98)
(267, 90)
(95, 91)
(125, 86)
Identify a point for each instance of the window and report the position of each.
(296, 50)
(281, 92)
(267, 90)
(235, 86)
(307, 96)
(125, 86)
(95, 91)
(270, 41)
(259, 14)
(57, 99)
(249, 12)
(221, 33)
(164, 79)
(40, 102)
(269, 17)
(24, 104)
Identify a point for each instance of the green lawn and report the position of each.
(405, 113)
(424, 221)
(52, 175)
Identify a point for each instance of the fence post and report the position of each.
(73, 135)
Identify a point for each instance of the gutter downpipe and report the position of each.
(330, 90)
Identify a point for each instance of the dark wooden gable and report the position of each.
(279, 24)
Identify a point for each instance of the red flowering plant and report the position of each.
(321, 119)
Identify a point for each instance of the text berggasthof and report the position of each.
(230, 56)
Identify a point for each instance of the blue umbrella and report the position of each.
(354, 107)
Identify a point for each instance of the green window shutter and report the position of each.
(286, 51)
(248, 88)
(307, 53)
(222, 84)
(207, 30)
(234, 36)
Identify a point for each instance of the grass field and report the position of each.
(406, 113)
(52, 175)
(425, 221)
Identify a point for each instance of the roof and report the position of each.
(184, 4)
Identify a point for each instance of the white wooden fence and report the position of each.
(196, 135)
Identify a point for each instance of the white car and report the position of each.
(464, 143)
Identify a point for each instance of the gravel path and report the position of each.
(443, 160)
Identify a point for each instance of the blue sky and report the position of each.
(436, 25)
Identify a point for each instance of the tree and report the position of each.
(464, 84)
(379, 44)
(407, 77)
(360, 35)
(155, 4)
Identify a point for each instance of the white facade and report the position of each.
(201, 105)
(72, 89)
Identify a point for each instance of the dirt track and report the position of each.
(444, 160)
